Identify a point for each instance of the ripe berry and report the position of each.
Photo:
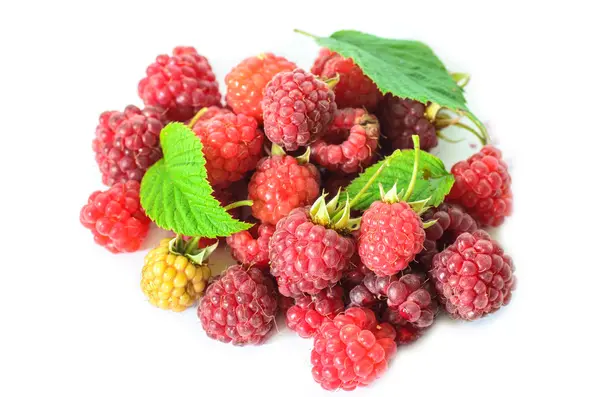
(281, 184)
(232, 145)
(350, 143)
(182, 84)
(116, 217)
(391, 234)
(351, 350)
(172, 281)
(482, 186)
(354, 89)
(333, 182)
(239, 307)
(246, 82)
(451, 221)
(473, 276)
(127, 143)
(410, 300)
(251, 248)
(297, 109)
(305, 256)
(308, 312)
(400, 119)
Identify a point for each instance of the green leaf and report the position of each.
(175, 192)
(406, 68)
(433, 181)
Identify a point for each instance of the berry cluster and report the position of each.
(359, 284)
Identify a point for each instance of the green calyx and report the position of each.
(335, 214)
(190, 249)
(277, 150)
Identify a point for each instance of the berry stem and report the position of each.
(461, 79)
(237, 204)
(484, 137)
(305, 33)
(196, 117)
(191, 245)
(338, 215)
(413, 178)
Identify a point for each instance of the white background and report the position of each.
(73, 320)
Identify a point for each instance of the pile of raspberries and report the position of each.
(359, 295)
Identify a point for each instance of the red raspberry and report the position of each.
(355, 273)
(309, 312)
(350, 144)
(354, 90)
(281, 184)
(209, 113)
(297, 109)
(482, 186)
(410, 300)
(127, 143)
(116, 217)
(351, 350)
(246, 82)
(307, 257)
(251, 248)
(232, 145)
(239, 307)
(473, 276)
(390, 237)
(452, 220)
(182, 84)
(401, 119)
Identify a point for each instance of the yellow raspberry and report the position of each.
(172, 281)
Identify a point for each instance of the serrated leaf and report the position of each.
(433, 181)
(405, 68)
(175, 192)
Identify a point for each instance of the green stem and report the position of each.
(305, 33)
(485, 139)
(237, 204)
(196, 117)
(191, 245)
(337, 216)
(413, 178)
(461, 79)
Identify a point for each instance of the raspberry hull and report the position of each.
(473, 276)
(297, 109)
(182, 84)
(306, 257)
(350, 144)
(116, 217)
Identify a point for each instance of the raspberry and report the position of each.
(371, 290)
(354, 89)
(351, 350)
(182, 84)
(410, 300)
(246, 82)
(116, 217)
(127, 143)
(172, 281)
(307, 257)
(473, 276)
(482, 186)
(452, 220)
(350, 144)
(281, 184)
(391, 234)
(251, 248)
(240, 307)
(297, 109)
(355, 273)
(232, 145)
(308, 312)
(401, 119)
(208, 113)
